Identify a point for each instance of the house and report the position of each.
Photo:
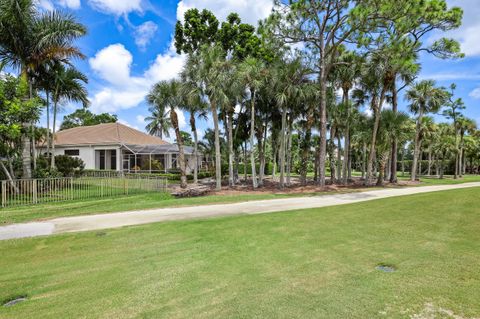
(114, 146)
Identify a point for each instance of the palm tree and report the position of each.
(425, 98)
(68, 85)
(346, 73)
(393, 126)
(252, 73)
(464, 125)
(213, 71)
(195, 105)
(289, 87)
(158, 122)
(168, 95)
(29, 38)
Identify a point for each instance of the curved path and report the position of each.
(113, 220)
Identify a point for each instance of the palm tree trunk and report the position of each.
(376, 113)
(48, 124)
(262, 142)
(181, 153)
(339, 158)
(346, 155)
(231, 176)
(364, 160)
(323, 123)
(429, 170)
(394, 156)
(289, 153)
(52, 160)
(252, 140)
(331, 153)
(195, 147)
(416, 151)
(26, 147)
(383, 162)
(218, 158)
(282, 148)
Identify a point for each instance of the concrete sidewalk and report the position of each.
(114, 220)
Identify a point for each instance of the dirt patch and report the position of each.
(14, 300)
(272, 187)
(430, 311)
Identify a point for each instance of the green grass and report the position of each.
(316, 263)
(447, 180)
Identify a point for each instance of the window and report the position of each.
(113, 159)
(102, 159)
(72, 152)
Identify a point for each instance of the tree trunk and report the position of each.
(376, 113)
(339, 158)
(282, 148)
(52, 160)
(364, 160)
(48, 125)
(9, 177)
(252, 140)
(381, 170)
(181, 153)
(218, 158)
(394, 156)
(304, 156)
(231, 176)
(262, 142)
(429, 169)
(195, 147)
(289, 153)
(416, 152)
(331, 153)
(323, 121)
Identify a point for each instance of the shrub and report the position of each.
(69, 166)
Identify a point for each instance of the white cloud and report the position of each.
(140, 119)
(71, 4)
(144, 33)
(469, 33)
(249, 10)
(45, 5)
(116, 7)
(122, 90)
(475, 93)
(451, 76)
(113, 64)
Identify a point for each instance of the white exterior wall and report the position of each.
(88, 154)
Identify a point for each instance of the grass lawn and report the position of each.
(316, 263)
(161, 200)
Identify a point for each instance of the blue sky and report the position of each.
(129, 47)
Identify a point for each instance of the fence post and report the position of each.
(4, 193)
(71, 188)
(35, 193)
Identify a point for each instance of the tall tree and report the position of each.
(83, 117)
(29, 38)
(158, 122)
(170, 96)
(68, 86)
(252, 73)
(323, 26)
(424, 98)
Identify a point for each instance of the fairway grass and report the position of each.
(315, 263)
(163, 200)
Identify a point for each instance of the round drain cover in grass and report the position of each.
(385, 268)
(13, 301)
